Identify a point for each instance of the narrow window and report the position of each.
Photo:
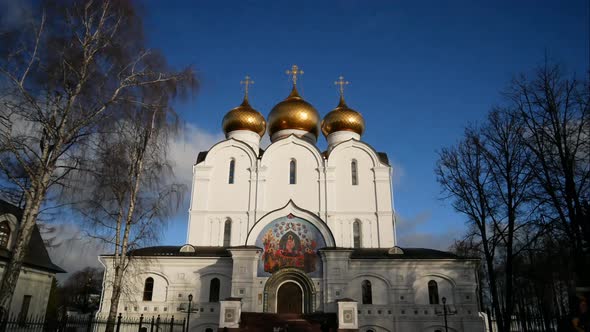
(367, 292)
(292, 172)
(232, 171)
(433, 292)
(148, 289)
(227, 233)
(354, 172)
(4, 234)
(214, 290)
(24, 308)
(356, 233)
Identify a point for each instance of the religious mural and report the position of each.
(290, 242)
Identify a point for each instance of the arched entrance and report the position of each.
(289, 298)
(286, 288)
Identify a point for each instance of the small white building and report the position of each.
(34, 283)
(293, 230)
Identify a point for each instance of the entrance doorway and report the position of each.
(289, 299)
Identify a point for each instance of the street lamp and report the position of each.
(446, 312)
(188, 316)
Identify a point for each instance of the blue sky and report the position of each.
(419, 72)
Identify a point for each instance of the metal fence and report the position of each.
(93, 324)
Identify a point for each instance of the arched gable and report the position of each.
(293, 209)
(292, 139)
(355, 144)
(247, 149)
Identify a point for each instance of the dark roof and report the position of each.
(408, 253)
(175, 251)
(383, 157)
(201, 156)
(359, 253)
(36, 256)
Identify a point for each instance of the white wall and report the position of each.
(32, 282)
(323, 186)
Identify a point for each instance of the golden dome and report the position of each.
(244, 117)
(293, 113)
(343, 118)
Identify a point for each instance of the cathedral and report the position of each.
(294, 238)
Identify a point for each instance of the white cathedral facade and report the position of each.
(292, 232)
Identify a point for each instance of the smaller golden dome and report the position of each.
(244, 117)
(343, 118)
(293, 113)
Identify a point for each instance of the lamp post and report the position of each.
(446, 312)
(188, 316)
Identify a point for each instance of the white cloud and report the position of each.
(70, 248)
(409, 235)
(185, 147)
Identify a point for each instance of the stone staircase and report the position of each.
(268, 322)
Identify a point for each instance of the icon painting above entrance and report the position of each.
(290, 242)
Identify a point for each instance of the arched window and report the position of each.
(148, 289)
(354, 172)
(367, 292)
(433, 292)
(227, 233)
(214, 290)
(232, 171)
(356, 233)
(4, 234)
(293, 172)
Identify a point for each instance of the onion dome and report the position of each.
(343, 118)
(244, 117)
(294, 113)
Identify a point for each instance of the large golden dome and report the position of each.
(343, 118)
(244, 117)
(293, 113)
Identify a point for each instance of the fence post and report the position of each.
(89, 325)
(158, 323)
(183, 324)
(140, 323)
(152, 325)
(119, 322)
(64, 323)
(172, 323)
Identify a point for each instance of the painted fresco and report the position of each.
(290, 242)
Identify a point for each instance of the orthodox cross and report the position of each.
(246, 83)
(294, 72)
(341, 82)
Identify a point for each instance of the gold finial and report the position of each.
(341, 82)
(294, 72)
(246, 83)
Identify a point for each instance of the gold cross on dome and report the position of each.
(246, 83)
(294, 72)
(341, 82)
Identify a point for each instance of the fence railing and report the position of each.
(92, 324)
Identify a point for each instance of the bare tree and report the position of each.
(465, 177)
(489, 179)
(555, 111)
(131, 189)
(62, 77)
